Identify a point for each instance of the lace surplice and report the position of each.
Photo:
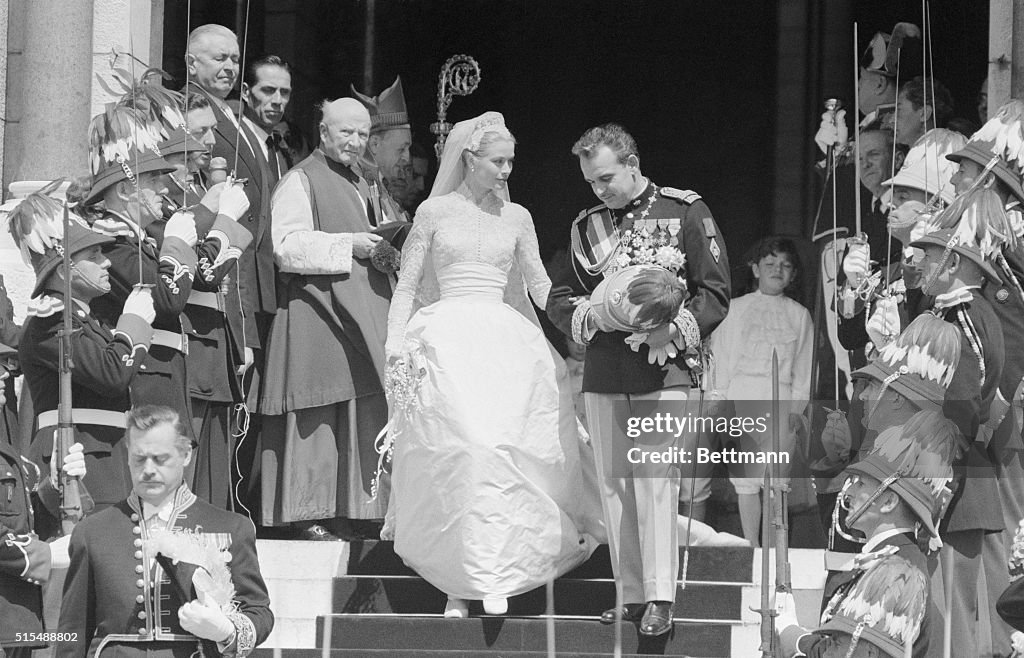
(451, 229)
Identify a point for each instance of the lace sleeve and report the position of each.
(529, 262)
(415, 252)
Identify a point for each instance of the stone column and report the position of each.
(54, 91)
(124, 26)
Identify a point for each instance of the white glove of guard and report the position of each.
(831, 133)
(884, 324)
(182, 225)
(785, 610)
(835, 437)
(74, 462)
(140, 303)
(205, 621)
(60, 552)
(857, 263)
(233, 202)
(211, 200)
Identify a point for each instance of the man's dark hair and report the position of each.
(252, 70)
(196, 101)
(920, 91)
(611, 135)
(148, 416)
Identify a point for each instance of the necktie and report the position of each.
(274, 154)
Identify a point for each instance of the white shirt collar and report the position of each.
(873, 543)
(162, 512)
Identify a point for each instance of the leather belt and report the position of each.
(839, 561)
(84, 417)
(207, 299)
(170, 339)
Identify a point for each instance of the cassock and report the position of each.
(323, 396)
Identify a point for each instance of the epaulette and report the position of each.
(686, 196)
(44, 306)
(588, 212)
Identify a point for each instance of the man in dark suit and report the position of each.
(141, 574)
(212, 59)
(266, 90)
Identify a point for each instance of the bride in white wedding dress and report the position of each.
(487, 495)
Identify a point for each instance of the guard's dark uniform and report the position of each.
(24, 559)
(216, 349)
(170, 270)
(116, 594)
(106, 364)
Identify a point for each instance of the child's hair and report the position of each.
(776, 246)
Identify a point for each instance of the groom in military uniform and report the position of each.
(631, 375)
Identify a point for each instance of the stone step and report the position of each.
(711, 564)
(487, 635)
(409, 595)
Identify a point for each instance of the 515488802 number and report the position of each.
(46, 637)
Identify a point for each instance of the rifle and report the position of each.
(783, 580)
(71, 511)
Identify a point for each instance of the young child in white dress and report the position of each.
(742, 346)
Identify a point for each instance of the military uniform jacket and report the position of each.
(216, 338)
(611, 366)
(975, 503)
(813, 645)
(106, 362)
(120, 599)
(24, 559)
(256, 273)
(169, 269)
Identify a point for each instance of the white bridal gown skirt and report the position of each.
(487, 492)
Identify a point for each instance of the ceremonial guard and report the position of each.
(128, 179)
(881, 616)
(625, 374)
(106, 360)
(387, 156)
(216, 349)
(25, 560)
(955, 273)
(163, 573)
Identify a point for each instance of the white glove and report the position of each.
(204, 621)
(835, 437)
(211, 200)
(140, 303)
(182, 225)
(857, 262)
(884, 324)
(60, 552)
(831, 132)
(785, 610)
(657, 352)
(74, 461)
(233, 202)
(249, 360)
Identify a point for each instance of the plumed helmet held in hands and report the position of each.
(638, 298)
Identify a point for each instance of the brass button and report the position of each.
(137, 530)
(142, 614)
(135, 518)
(140, 583)
(138, 555)
(140, 598)
(138, 568)
(138, 543)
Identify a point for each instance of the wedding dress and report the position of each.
(487, 493)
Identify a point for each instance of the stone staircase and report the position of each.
(359, 599)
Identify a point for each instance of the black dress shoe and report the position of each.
(317, 532)
(630, 612)
(657, 619)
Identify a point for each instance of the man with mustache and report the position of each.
(323, 394)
